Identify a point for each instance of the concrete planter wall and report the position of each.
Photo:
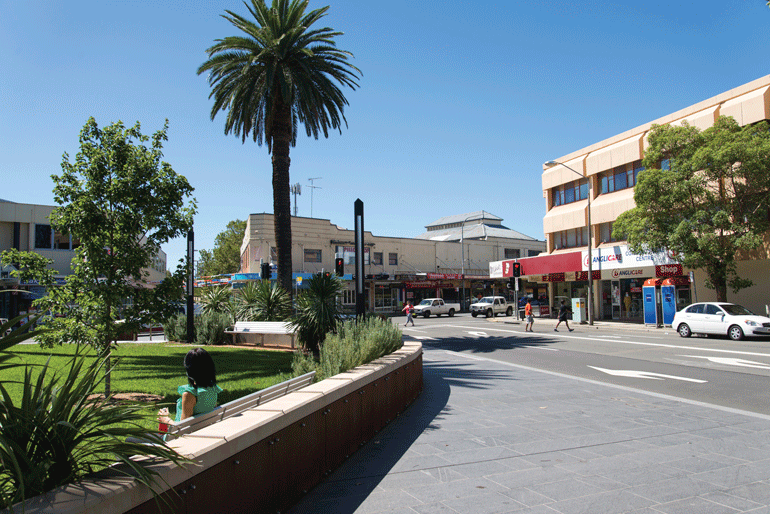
(263, 459)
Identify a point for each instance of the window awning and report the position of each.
(565, 217)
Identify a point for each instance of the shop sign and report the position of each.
(668, 270)
(496, 269)
(621, 257)
(627, 273)
(553, 277)
(443, 276)
(636, 289)
(425, 284)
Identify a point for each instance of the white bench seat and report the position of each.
(261, 333)
(241, 404)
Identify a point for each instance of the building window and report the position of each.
(43, 235)
(393, 259)
(605, 233)
(620, 178)
(532, 253)
(313, 256)
(571, 238)
(512, 253)
(348, 297)
(568, 193)
(377, 258)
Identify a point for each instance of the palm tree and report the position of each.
(278, 74)
(262, 301)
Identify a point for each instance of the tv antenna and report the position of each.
(296, 189)
(312, 186)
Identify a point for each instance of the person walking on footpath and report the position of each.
(529, 316)
(409, 309)
(563, 311)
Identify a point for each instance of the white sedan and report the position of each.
(720, 318)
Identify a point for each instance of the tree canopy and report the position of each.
(704, 196)
(120, 201)
(225, 257)
(278, 73)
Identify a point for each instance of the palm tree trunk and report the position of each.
(282, 134)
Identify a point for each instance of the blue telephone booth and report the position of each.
(651, 302)
(668, 303)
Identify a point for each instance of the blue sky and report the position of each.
(460, 101)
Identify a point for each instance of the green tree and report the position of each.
(279, 73)
(226, 255)
(708, 204)
(121, 202)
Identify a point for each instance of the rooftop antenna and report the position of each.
(296, 189)
(312, 187)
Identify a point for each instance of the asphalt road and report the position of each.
(711, 370)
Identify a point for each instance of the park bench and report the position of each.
(232, 408)
(263, 333)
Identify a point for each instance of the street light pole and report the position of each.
(462, 252)
(550, 164)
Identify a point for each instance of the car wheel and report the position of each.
(451, 312)
(509, 312)
(735, 332)
(684, 330)
(426, 315)
(474, 314)
(489, 313)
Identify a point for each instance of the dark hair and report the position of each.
(200, 368)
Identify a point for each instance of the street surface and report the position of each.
(712, 370)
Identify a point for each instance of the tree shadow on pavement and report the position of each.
(345, 489)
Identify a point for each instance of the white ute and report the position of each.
(491, 306)
(435, 306)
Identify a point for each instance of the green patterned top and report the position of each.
(205, 399)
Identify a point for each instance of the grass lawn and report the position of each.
(158, 369)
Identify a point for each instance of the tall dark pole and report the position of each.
(358, 208)
(190, 285)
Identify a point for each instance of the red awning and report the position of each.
(555, 263)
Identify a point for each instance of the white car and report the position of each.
(720, 318)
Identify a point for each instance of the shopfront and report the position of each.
(618, 276)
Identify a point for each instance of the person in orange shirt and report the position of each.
(528, 315)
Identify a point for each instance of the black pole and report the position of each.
(358, 208)
(190, 285)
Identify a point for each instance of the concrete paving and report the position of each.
(490, 437)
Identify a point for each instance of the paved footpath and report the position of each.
(488, 437)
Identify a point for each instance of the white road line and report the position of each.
(731, 361)
(630, 373)
(662, 345)
(540, 348)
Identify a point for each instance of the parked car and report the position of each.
(491, 306)
(435, 306)
(721, 318)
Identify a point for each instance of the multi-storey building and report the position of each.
(27, 227)
(450, 259)
(607, 171)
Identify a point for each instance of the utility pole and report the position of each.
(312, 186)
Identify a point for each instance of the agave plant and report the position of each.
(318, 311)
(262, 301)
(57, 433)
(217, 299)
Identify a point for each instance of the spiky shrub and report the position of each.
(216, 299)
(318, 311)
(356, 342)
(58, 434)
(262, 301)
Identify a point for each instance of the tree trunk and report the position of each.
(107, 372)
(282, 134)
